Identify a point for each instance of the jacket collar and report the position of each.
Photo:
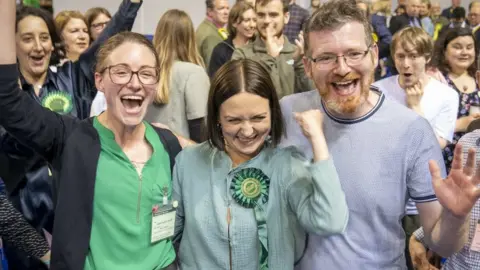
(49, 79)
(259, 46)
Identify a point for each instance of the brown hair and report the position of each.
(439, 61)
(174, 40)
(117, 40)
(413, 36)
(93, 13)
(236, 16)
(334, 14)
(65, 16)
(428, 3)
(263, 3)
(237, 76)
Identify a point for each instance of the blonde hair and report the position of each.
(65, 16)
(381, 6)
(174, 40)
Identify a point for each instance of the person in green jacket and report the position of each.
(272, 49)
(211, 31)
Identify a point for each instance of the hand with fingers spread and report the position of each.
(311, 123)
(273, 43)
(300, 47)
(458, 193)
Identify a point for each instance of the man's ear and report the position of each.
(307, 66)
(286, 17)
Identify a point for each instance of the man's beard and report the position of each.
(345, 105)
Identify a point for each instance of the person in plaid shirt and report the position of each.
(466, 258)
(298, 16)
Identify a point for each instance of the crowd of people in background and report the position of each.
(271, 136)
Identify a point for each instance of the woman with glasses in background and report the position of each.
(97, 18)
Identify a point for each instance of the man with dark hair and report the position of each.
(211, 31)
(282, 59)
(384, 152)
(458, 17)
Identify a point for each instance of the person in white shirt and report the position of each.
(411, 50)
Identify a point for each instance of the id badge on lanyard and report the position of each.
(163, 219)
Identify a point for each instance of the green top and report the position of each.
(207, 37)
(122, 207)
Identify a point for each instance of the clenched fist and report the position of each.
(311, 123)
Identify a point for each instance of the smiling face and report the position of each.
(460, 53)
(245, 122)
(423, 11)
(75, 36)
(247, 24)
(127, 101)
(34, 46)
(343, 86)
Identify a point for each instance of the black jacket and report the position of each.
(26, 174)
(399, 22)
(221, 54)
(72, 146)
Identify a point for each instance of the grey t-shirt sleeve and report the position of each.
(422, 147)
(197, 86)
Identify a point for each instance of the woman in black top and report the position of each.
(80, 152)
(242, 23)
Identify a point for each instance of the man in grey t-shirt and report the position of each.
(380, 148)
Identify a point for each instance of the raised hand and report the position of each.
(272, 42)
(300, 47)
(311, 124)
(415, 94)
(458, 193)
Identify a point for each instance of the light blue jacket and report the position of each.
(302, 196)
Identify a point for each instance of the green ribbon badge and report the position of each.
(58, 101)
(249, 187)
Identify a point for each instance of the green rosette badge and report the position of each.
(58, 101)
(250, 187)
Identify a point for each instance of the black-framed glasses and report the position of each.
(352, 58)
(99, 25)
(122, 74)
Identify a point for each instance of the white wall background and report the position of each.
(152, 10)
